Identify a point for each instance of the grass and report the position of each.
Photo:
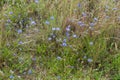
(59, 40)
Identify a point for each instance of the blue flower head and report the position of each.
(19, 31)
(52, 17)
(11, 77)
(90, 60)
(36, 1)
(33, 23)
(47, 22)
(79, 5)
(29, 71)
(64, 44)
(59, 58)
(11, 12)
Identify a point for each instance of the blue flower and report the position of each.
(74, 35)
(34, 59)
(91, 43)
(53, 29)
(11, 77)
(81, 23)
(30, 19)
(64, 40)
(107, 17)
(47, 22)
(95, 19)
(114, 9)
(52, 17)
(79, 5)
(67, 34)
(49, 38)
(68, 28)
(92, 24)
(58, 77)
(59, 58)
(90, 60)
(8, 20)
(36, 1)
(19, 31)
(84, 14)
(29, 71)
(33, 23)
(11, 12)
(64, 44)
(85, 57)
(57, 29)
(20, 42)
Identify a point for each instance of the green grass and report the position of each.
(31, 48)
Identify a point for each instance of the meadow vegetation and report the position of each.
(59, 40)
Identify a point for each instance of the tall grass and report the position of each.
(59, 40)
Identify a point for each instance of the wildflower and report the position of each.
(92, 24)
(30, 19)
(47, 22)
(114, 9)
(11, 71)
(79, 5)
(11, 12)
(20, 42)
(11, 77)
(59, 58)
(8, 20)
(74, 35)
(90, 60)
(91, 43)
(107, 7)
(24, 73)
(58, 77)
(53, 36)
(95, 19)
(64, 40)
(57, 29)
(67, 34)
(19, 76)
(20, 49)
(52, 17)
(36, 1)
(64, 44)
(81, 23)
(68, 28)
(14, 54)
(84, 14)
(34, 59)
(29, 71)
(107, 17)
(49, 38)
(19, 31)
(33, 23)
(53, 29)
(85, 57)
